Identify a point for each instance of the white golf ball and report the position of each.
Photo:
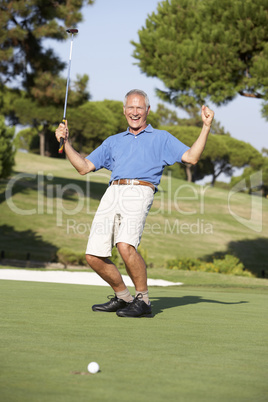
(93, 367)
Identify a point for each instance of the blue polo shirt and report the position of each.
(142, 156)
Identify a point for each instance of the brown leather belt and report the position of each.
(134, 182)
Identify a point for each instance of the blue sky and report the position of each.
(103, 51)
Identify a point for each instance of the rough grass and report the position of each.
(185, 220)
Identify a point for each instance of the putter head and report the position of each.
(72, 30)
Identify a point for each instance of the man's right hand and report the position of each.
(62, 131)
(81, 164)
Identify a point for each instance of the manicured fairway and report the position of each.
(204, 344)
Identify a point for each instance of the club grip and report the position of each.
(61, 146)
(60, 151)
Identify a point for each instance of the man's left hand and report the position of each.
(207, 115)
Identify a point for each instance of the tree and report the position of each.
(221, 155)
(7, 150)
(265, 152)
(42, 114)
(207, 49)
(93, 122)
(265, 177)
(27, 139)
(226, 153)
(116, 107)
(247, 174)
(31, 70)
(186, 134)
(90, 125)
(24, 24)
(167, 116)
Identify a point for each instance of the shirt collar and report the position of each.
(148, 129)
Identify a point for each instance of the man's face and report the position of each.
(136, 113)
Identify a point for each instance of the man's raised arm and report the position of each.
(193, 154)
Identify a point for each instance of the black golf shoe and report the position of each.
(111, 306)
(136, 308)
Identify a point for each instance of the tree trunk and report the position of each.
(213, 180)
(42, 143)
(188, 172)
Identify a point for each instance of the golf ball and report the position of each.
(93, 367)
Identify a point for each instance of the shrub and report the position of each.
(69, 257)
(230, 265)
(186, 264)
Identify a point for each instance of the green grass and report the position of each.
(185, 219)
(203, 344)
(208, 339)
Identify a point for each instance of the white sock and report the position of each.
(145, 296)
(124, 295)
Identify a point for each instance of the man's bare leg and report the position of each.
(107, 271)
(136, 269)
(135, 266)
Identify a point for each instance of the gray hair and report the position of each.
(138, 92)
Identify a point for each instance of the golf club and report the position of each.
(72, 31)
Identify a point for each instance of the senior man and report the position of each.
(136, 158)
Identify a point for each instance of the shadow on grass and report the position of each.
(163, 303)
(58, 186)
(253, 253)
(5, 195)
(25, 245)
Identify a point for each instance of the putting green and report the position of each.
(204, 344)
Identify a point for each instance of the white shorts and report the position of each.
(120, 217)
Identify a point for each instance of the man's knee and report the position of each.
(92, 259)
(125, 250)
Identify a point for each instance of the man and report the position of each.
(136, 158)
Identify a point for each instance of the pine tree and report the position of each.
(32, 91)
(221, 155)
(24, 24)
(207, 50)
(7, 150)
